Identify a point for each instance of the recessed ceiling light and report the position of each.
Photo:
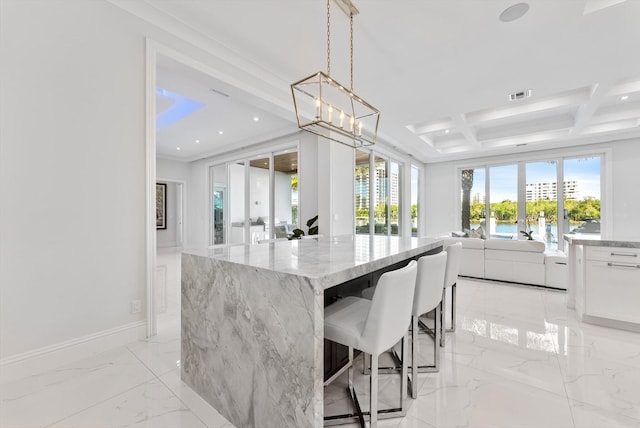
(197, 141)
(446, 131)
(256, 118)
(514, 12)
(220, 132)
(177, 148)
(624, 97)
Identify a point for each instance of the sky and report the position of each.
(504, 179)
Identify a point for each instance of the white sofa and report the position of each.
(524, 262)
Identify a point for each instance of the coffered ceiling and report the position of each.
(440, 71)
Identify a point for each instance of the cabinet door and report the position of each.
(613, 290)
(614, 254)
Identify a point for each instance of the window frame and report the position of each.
(559, 157)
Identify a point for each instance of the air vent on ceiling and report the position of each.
(520, 95)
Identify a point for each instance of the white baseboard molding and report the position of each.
(52, 356)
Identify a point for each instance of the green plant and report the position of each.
(312, 230)
(528, 234)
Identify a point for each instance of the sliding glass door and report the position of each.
(254, 199)
(581, 190)
(285, 188)
(541, 210)
(503, 201)
(525, 199)
(218, 205)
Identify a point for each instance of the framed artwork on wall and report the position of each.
(161, 206)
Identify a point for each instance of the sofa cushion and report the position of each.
(514, 256)
(511, 245)
(468, 243)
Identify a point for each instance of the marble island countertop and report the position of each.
(596, 241)
(325, 261)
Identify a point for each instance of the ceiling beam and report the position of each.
(586, 111)
(460, 121)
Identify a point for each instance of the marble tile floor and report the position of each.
(519, 358)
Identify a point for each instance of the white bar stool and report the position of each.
(373, 326)
(427, 297)
(450, 281)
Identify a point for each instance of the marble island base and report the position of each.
(253, 323)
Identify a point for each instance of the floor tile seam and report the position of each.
(562, 376)
(146, 366)
(99, 402)
(503, 378)
(598, 407)
(183, 403)
(431, 425)
(498, 346)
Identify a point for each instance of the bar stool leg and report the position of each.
(373, 393)
(350, 369)
(443, 311)
(453, 310)
(414, 356)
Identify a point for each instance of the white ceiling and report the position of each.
(440, 71)
(224, 122)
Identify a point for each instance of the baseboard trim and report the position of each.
(52, 356)
(546, 287)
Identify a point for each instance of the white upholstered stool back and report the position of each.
(431, 274)
(454, 253)
(373, 326)
(390, 313)
(453, 263)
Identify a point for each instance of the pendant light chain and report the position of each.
(351, 51)
(328, 37)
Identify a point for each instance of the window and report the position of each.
(541, 210)
(362, 192)
(503, 201)
(394, 197)
(474, 200)
(415, 186)
(218, 207)
(285, 187)
(378, 194)
(581, 191)
(236, 192)
(526, 197)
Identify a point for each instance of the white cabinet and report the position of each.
(612, 283)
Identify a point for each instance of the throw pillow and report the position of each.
(474, 233)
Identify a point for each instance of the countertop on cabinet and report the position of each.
(595, 241)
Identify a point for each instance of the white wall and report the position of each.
(441, 209)
(72, 171)
(626, 190)
(172, 170)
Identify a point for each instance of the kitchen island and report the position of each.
(604, 281)
(253, 320)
